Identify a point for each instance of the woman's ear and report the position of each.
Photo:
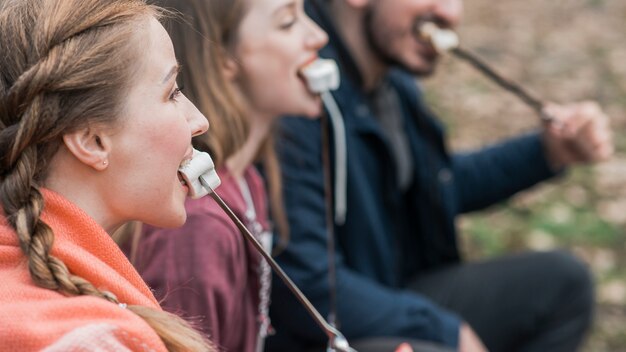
(91, 146)
(230, 68)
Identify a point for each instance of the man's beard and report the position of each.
(386, 57)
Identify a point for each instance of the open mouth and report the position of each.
(181, 179)
(301, 78)
(301, 68)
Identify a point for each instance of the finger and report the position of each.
(604, 152)
(598, 151)
(590, 112)
(579, 116)
(576, 123)
(595, 135)
(404, 347)
(552, 112)
(554, 125)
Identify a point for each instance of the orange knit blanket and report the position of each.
(33, 318)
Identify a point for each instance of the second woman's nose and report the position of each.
(316, 37)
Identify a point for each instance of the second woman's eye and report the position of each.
(176, 93)
(288, 22)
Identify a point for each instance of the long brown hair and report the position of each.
(57, 77)
(203, 39)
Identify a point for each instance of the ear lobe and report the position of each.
(89, 147)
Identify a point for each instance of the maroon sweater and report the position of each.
(206, 270)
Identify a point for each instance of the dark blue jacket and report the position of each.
(389, 237)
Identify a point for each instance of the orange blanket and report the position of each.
(33, 318)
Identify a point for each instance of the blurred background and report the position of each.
(562, 50)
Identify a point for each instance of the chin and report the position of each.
(314, 114)
(179, 219)
(313, 108)
(424, 68)
(170, 220)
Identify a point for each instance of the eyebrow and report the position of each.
(286, 5)
(173, 71)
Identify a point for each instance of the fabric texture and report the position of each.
(32, 318)
(492, 296)
(205, 270)
(390, 235)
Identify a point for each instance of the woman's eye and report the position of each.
(287, 24)
(176, 93)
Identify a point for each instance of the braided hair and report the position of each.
(56, 77)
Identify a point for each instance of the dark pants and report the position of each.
(529, 302)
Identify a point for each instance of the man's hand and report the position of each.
(578, 133)
(469, 341)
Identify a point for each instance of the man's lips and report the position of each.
(426, 50)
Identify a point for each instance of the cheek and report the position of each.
(270, 79)
(166, 144)
(270, 60)
(175, 135)
(267, 84)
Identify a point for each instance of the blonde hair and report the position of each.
(56, 77)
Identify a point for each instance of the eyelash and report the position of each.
(290, 24)
(176, 93)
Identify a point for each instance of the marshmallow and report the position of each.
(321, 75)
(442, 39)
(198, 172)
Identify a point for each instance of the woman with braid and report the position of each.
(93, 129)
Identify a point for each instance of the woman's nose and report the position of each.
(316, 37)
(198, 123)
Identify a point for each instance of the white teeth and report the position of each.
(184, 163)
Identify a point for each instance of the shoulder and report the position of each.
(43, 318)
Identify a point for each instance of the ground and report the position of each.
(562, 51)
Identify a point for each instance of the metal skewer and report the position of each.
(336, 339)
(428, 31)
(524, 95)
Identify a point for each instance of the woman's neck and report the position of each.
(259, 130)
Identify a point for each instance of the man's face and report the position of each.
(390, 30)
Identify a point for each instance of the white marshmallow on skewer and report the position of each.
(321, 75)
(443, 40)
(200, 166)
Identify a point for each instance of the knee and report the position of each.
(572, 277)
